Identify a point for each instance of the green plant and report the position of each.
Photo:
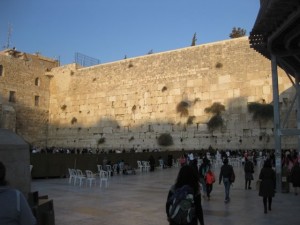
(130, 65)
(260, 111)
(165, 139)
(216, 108)
(101, 140)
(63, 107)
(133, 108)
(164, 88)
(190, 120)
(219, 65)
(215, 122)
(131, 138)
(182, 108)
(74, 120)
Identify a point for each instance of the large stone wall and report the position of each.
(132, 102)
(24, 74)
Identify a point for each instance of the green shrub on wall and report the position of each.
(165, 139)
(182, 108)
(101, 140)
(215, 122)
(261, 111)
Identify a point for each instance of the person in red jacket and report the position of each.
(209, 180)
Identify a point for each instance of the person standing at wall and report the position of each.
(249, 170)
(267, 186)
(227, 175)
(14, 208)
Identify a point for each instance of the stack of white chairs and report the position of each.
(90, 178)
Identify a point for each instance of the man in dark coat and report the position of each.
(267, 186)
(295, 177)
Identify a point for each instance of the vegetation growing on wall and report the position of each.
(219, 65)
(165, 139)
(182, 108)
(164, 89)
(101, 140)
(74, 120)
(190, 120)
(261, 111)
(63, 107)
(216, 120)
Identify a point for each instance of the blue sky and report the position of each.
(110, 29)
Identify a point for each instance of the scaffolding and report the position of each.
(85, 60)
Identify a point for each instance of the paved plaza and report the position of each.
(140, 200)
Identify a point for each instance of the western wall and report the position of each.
(130, 103)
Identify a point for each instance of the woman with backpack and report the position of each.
(186, 190)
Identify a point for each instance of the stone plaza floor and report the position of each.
(140, 200)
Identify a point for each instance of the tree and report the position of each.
(194, 40)
(237, 32)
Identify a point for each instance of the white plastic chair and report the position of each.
(109, 170)
(80, 177)
(103, 178)
(72, 175)
(146, 165)
(99, 167)
(140, 165)
(90, 177)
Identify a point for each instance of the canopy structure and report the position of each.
(276, 35)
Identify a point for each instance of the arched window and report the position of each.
(37, 81)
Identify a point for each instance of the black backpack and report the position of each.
(182, 206)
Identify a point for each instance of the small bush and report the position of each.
(216, 108)
(182, 108)
(101, 140)
(219, 65)
(190, 120)
(63, 107)
(165, 139)
(131, 139)
(215, 122)
(262, 112)
(133, 108)
(74, 120)
(164, 89)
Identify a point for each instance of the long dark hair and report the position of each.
(188, 176)
(2, 174)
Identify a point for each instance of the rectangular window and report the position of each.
(36, 100)
(1, 70)
(12, 96)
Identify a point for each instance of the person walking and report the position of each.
(227, 175)
(295, 177)
(14, 208)
(205, 165)
(249, 170)
(209, 180)
(267, 185)
(187, 176)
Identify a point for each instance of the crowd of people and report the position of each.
(201, 179)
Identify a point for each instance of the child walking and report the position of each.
(209, 180)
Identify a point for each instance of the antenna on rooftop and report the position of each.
(9, 32)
